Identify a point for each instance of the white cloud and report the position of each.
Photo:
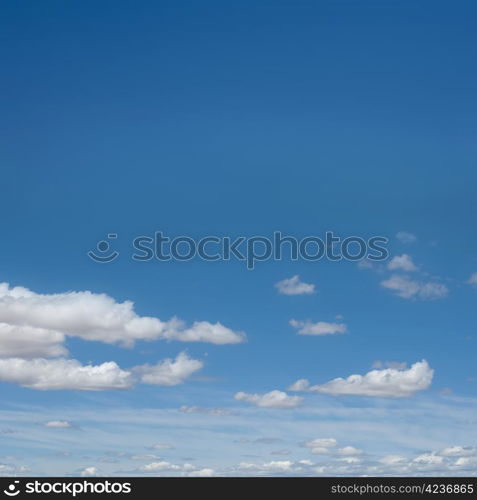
(273, 399)
(405, 237)
(268, 467)
(70, 374)
(202, 473)
(389, 382)
(58, 424)
(327, 446)
(473, 279)
(28, 342)
(470, 462)
(90, 472)
(402, 263)
(59, 374)
(428, 459)
(319, 328)
(160, 466)
(407, 288)
(293, 286)
(99, 317)
(184, 469)
(301, 385)
(458, 451)
(349, 451)
(169, 372)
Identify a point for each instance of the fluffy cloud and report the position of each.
(390, 383)
(319, 328)
(207, 472)
(169, 372)
(99, 317)
(349, 451)
(58, 424)
(407, 288)
(70, 374)
(59, 374)
(402, 263)
(327, 446)
(160, 467)
(90, 472)
(405, 237)
(29, 342)
(273, 399)
(293, 286)
(268, 467)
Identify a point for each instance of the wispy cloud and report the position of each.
(319, 328)
(406, 237)
(407, 288)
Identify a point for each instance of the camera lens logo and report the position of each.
(12, 490)
(103, 247)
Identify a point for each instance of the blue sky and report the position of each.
(217, 119)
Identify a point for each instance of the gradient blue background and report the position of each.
(242, 118)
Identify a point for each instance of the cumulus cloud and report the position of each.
(405, 237)
(327, 446)
(160, 467)
(90, 472)
(293, 286)
(60, 374)
(206, 472)
(169, 372)
(270, 467)
(402, 263)
(349, 451)
(29, 342)
(319, 328)
(405, 287)
(58, 424)
(389, 382)
(272, 399)
(70, 374)
(99, 317)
